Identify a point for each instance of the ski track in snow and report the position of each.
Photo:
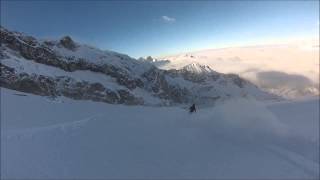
(63, 127)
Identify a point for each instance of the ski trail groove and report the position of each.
(64, 127)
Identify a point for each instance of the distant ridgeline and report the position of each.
(66, 68)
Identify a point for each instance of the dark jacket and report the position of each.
(192, 108)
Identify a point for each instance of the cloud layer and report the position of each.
(276, 79)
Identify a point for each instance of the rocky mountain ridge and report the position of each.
(66, 68)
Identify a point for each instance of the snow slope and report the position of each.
(241, 138)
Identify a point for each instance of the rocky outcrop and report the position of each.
(159, 86)
(28, 48)
(64, 86)
(68, 43)
(236, 80)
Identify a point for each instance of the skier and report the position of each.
(192, 108)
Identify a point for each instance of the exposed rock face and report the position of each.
(30, 49)
(194, 83)
(159, 86)
(40, 53)
(237, 80)
(68, 43)
(64, 86)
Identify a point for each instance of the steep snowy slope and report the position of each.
(290, 69)
(66, 68)
(238, 139)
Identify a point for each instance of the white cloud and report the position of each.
(168, 19)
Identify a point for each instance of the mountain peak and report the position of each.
(68, 43)
(197, 68)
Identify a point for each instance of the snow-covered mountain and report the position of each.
(288, 69)
(67, 68)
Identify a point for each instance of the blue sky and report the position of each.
(140, 28)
